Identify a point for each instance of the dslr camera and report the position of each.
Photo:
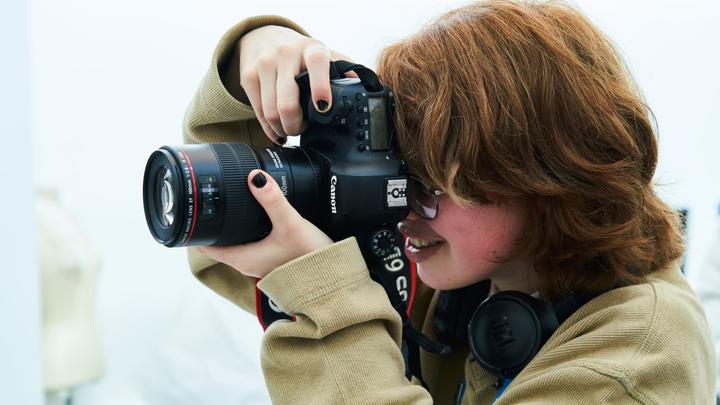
(344, 177)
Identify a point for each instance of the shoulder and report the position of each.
(651, 338)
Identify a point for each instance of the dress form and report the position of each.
(69, 263)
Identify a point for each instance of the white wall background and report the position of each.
(20, 368)
(110, 82)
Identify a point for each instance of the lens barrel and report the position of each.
(198, 194)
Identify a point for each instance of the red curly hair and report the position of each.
(530, 101)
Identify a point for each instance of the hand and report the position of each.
(270, 58)
(292, 235)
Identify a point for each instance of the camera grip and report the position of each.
(338, 69)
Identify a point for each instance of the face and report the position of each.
(462, 244)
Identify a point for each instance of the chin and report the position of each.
(434, 279)
(443, 277)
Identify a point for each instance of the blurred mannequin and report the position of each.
(69, 264)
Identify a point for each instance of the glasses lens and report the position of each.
(422, 200)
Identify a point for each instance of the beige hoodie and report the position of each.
(646, 343)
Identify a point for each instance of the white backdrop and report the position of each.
(110, 83)
(20, 369)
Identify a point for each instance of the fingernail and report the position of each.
(282, 140)
(259, 180)
(323, 106)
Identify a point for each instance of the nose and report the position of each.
(402, 226)
(412, 216)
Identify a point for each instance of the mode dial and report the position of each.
(382, 243)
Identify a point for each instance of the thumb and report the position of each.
(268, 194)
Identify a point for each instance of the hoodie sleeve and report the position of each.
(214, 115)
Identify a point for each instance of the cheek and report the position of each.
(483, 233)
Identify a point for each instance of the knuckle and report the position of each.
(248, 76)
(287, 108)
(266, 61)
(292, 228)
(286, 50)
(271, 114)
(316, 55)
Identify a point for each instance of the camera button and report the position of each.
(339, 120)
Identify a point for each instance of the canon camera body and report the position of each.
(345, 177)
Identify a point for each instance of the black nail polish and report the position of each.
(259, 180)
(282, 140)
(322, 105)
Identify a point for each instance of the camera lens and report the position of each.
(166, 206)
(198, 194)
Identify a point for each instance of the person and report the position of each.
(524, 119)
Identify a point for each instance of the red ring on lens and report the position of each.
(195, 200)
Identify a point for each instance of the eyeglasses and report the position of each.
(423, 198)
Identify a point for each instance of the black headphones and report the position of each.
(505, 331)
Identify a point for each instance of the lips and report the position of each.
(419, 254)
(419, 246)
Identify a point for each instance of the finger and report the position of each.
(288, 93)
(250, 82)
(268, 78)
(317, 61)
(340, 56)
(268, 194)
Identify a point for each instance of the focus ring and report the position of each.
(237, 160)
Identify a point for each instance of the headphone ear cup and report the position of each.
(507, 330)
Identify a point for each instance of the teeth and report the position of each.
(419, 243)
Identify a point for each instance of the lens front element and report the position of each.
(167, 201)
(197, 195)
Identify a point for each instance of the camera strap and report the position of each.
(412, 339)
(338, 69)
